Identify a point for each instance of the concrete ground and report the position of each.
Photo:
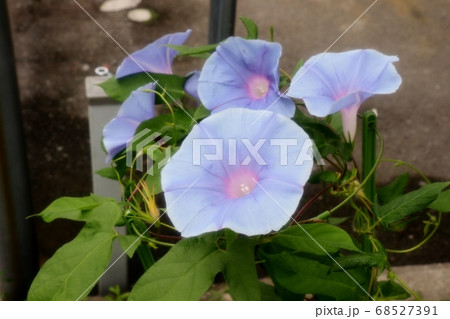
(57, 45)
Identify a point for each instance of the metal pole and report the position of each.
(221, 20)
(17, 250)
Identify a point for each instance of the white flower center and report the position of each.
(258, 87)
(240, 183)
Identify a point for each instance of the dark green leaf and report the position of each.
(268, 292)
(360, 260)
(442, 203)
(393, 190)
(75, 267)
(323, 176)
(311, 275)
(107, 172)
(184, 273)
(326, 140)
(252, 28)
(240, 270)
(129, 244)
(308, 237)
(171, 86)
(392, 290)
(409, 203)
(193, 51)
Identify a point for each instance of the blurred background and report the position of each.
(56, 45)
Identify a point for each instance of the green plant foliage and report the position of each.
(189, 269)
(75, 208)
(320, 239)
(442, 203)
(184, 273)
(239, 270)
(252, 28)
(409, 203)
(129, 243)
(170, 86)
(395, 189)
(74, 269)
(196, 52)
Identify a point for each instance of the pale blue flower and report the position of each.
(138, 107)
(251, 185)
(333, 82)
(156, 57)
(244, 73)
(191, 84)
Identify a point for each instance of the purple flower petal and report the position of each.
(138, 107)
(191, 84)
(249, 185)
(331, 82)
(243, 73)
(155, 57)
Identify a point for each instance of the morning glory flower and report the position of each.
(244, 73)
(231, 174)
(138, 107)
(333, 82)
(155, 57)
(191, 84)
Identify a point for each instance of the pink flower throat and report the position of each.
(240, 183)
(258, 86)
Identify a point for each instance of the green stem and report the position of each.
(372, 171)
(152, 240)
(143, 251)
(399, 163)
(404, 251)
(401, 282)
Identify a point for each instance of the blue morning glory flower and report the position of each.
(333, 82)
(138, 107)
(191, 84)
(244, 73)
(155, 57)
(231, 174)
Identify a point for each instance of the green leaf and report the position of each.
(129, 244)
(171, 86)
(200, 51)
(360, 260)
(409, 203)
(326, 140)
(201, 112)
(335, 121)
(329, 237)
(184, 273)
(392, 290)
(323, 176)
(311, 275)
(442, 203)
(153, 181)
(74, 269)
(108, 172)
(337, 220)
(252, 28)
(395, 189)
(268, 292)
(240, 270)
(73, 208)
